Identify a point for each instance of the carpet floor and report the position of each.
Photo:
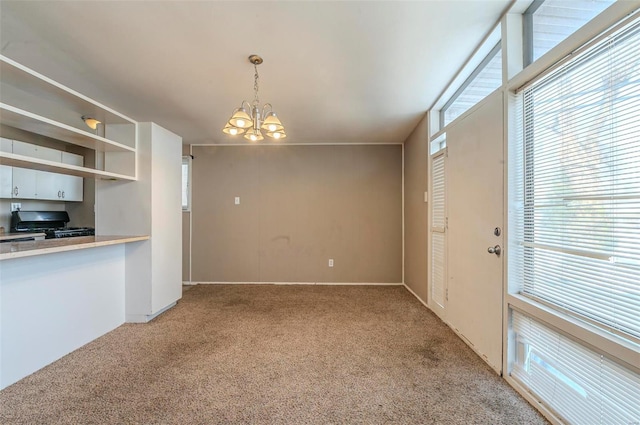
(264, 354)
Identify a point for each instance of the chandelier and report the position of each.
(248, 118)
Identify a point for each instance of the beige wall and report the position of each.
(415, 210)
(299, 206)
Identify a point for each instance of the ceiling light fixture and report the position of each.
(248, 120)
(92, 123)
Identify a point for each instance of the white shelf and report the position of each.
(24, 120)
(21, 161)
(40, 86)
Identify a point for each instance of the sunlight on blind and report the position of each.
(581, 385)
(578, 233)
(185, 183)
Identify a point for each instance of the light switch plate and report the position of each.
(426, 197)
(237, 200)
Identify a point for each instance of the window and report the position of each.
(578, 235)
(574, 232)
(186, 183)
(483, 81)
(548, 22)
(583, 386)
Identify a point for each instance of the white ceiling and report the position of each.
(335, 72)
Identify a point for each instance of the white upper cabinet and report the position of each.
(26, 183)
(6, 180)
(39, 108)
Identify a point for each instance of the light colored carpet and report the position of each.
(263, 354)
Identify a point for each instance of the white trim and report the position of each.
(188, 283)
(533, 400)
(280, 144)
(403, 231)
(191, 219)
(144, 318)
(304, 283)
(417, 297)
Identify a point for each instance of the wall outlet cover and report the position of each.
(16, 206)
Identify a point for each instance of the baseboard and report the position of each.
(416, 295)
(188, 283)
(144, 318)
(302, 283)
(537, 404)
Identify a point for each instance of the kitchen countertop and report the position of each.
(9, 236)
(10, 250)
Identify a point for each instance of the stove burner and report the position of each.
(69, 232)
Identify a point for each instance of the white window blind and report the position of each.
(438, 223)
(582, 386)
(482, 82)
(576, 186)
(186, 183)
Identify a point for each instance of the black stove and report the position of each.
(52, 223)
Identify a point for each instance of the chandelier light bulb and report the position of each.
(276, 135)
(273, 127)
(254, 138)
(233, 131)
(240, 123)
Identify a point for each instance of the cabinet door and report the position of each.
(5, 181)
(6, 145)
(72, 186)
(48, 186)
(24, 183)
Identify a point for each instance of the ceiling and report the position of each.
(335, 72)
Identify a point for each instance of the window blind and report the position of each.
(438, 222)
(581, 385)
(577, 218)
(186, 164)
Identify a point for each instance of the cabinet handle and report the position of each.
(59, 194)
(63, 194)
(15, 191)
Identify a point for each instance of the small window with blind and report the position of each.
(186, 183)
(548, 22)
(483, 81)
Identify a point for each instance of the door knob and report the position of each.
(494, 250)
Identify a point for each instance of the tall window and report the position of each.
(575, 228)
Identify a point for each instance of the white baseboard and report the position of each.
(302, 283)
(144, 318)
(188, 282)
(537, 404)
(416, 295)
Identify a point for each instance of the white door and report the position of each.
(438, 236)
(475, 192)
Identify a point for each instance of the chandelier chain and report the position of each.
(256, 80)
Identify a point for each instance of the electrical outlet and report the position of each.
(330, 262)
(16, 206)
(237, 200)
